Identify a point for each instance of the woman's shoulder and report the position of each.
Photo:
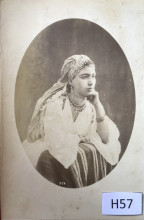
(56, 102)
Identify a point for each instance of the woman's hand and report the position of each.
(94, 98)
(95, 101)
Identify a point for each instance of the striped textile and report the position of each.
(89, 167)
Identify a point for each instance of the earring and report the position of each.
(70, 82)
(72, 89)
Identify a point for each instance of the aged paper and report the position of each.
(26, 194)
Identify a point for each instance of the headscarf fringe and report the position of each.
(36, 126)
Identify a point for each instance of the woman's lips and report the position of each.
(90, 89)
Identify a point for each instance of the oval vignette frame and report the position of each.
(42, 62)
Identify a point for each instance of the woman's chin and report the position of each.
(89, 93)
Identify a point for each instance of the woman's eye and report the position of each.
(84, 77)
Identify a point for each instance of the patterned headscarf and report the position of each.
(71, 67)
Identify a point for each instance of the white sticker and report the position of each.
(122, 203)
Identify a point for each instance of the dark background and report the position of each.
(41, 65)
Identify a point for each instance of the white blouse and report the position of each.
(63, 134)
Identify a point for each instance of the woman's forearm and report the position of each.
(102, 125)
(103, 131)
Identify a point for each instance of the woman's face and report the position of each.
(84, 82)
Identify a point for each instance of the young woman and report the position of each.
(70, 130)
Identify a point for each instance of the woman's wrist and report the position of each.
(100, 112)
(101, 118)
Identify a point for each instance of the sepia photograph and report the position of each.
(72, 109)
(74, 103)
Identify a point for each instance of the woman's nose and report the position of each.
(90, 81)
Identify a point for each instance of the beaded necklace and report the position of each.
(73, 100)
